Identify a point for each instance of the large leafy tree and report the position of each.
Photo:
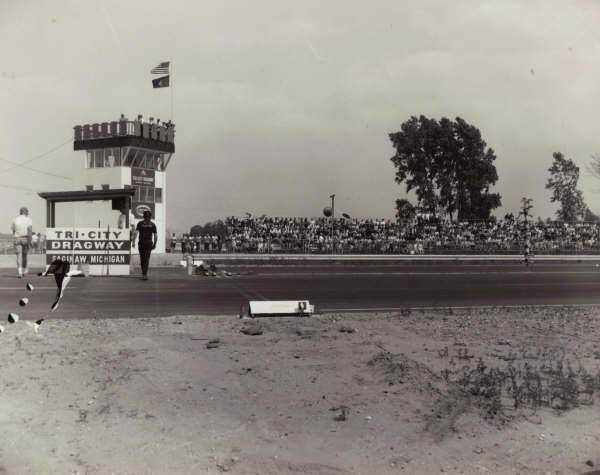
(476, 172)
(416, 159)
(448, 166)
(563, 181)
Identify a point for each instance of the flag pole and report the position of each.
(171, 87)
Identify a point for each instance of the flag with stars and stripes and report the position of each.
(162, 68)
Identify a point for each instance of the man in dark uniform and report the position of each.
(147, 241)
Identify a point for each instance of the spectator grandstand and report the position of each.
(383, 236)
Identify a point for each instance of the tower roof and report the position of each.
(80, 195)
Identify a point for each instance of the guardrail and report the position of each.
(427, 251)
(386, 257)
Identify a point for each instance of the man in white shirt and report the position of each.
(21, 230)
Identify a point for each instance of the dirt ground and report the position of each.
(386, 393)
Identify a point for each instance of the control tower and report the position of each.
(126, 154)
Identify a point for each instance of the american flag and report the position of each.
(162, 68)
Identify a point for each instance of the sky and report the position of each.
(280, 104)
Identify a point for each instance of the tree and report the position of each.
(471, 165)
(212, 228)
(525, 212)
(196, 230)
(215, 228)
(448, 165)
(564, 176)
(405, 211)
(416, 159)
(526, 207)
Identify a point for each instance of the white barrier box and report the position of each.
(281, 307)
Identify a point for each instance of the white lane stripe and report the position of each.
(247, 293)
(454, 307)
(242, 292)
(540, 284)
(499, 264)
(394, 273)
(261, 296)
(253, 295)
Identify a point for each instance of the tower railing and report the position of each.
(163, 132)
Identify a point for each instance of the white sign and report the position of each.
(107, 251)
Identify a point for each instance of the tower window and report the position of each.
(140, 159)
(112, 157)
(117, 154)
(129, 157)
(99, 158)
(139, 156)
(155, 160)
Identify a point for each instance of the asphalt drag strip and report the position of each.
(329, 287)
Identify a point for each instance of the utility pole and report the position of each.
(332, 221)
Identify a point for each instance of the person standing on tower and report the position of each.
(147, 242)
(21, 231)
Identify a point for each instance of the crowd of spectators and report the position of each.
(383, 236)
(196, 243)
(380, 236)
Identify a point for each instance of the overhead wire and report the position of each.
(20, 165)
(23, 165)
(37, 157)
